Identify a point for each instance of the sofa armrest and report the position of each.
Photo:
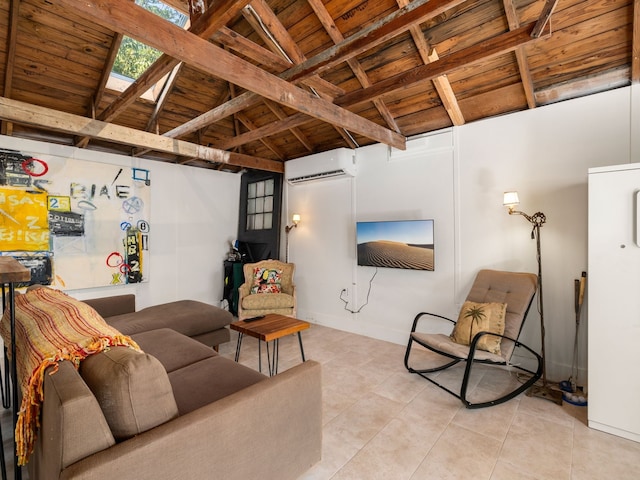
(271, 429)
(72, 425)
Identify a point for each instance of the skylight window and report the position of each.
(134, 57)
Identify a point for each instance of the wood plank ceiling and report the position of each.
(254, 83)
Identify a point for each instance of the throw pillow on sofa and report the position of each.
(132, 388)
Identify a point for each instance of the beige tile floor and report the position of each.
(381, 422)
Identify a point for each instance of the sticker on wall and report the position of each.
(75, 224)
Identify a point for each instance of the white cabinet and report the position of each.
(614, 301)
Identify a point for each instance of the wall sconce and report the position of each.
(538, 219)
(295, 218)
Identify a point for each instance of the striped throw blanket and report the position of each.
(50, 327)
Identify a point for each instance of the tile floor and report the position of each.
(382, 422)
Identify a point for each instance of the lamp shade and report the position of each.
(295, 218)
(510, 199)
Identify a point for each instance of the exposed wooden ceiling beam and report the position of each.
(162, 99)
(248, 123)
(442, 84)
(196, 9)
(104, 78)
(234, 41)
(128, 18)
(7, 128)
(280, 113)
(445, 92)
(521, 56)
(284, 42)
(106, 71)
(498, 45)
(545, 16)
(419, 11)
(213, 19)
(268, 26)
(27, 114)
(332, 30)
(270, 61)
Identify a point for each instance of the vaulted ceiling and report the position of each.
(254, 83)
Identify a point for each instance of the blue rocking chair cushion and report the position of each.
(477, 317)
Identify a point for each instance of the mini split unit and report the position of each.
(321, 166)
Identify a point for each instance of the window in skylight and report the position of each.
(134, 57)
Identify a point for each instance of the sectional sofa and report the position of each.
(175, 410)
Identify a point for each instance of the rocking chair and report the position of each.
(489, 345)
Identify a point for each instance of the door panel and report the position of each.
(259, 222)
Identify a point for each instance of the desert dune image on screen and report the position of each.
(396, 244)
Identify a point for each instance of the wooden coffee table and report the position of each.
(271, 327)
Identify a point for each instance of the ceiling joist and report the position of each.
(419, 11)
(126, 17)
(296, 77)
(26, 114)
(499, 45)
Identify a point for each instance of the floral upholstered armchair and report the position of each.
(268, 288)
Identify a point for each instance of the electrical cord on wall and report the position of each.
(346, 302)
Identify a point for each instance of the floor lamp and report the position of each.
(536, 220)
(295, 219)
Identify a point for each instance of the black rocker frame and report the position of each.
(470, 360)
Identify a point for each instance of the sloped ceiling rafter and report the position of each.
(283, 42)
(121, 15)
(402, 67)
(336, 36)
(205, 25)
(367, 38)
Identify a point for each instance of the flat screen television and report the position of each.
(404, 244)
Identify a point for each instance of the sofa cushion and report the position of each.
(171, 348)
(132, 389)
(271, 301)
(209, 380)
(50, 326)
(188, 317)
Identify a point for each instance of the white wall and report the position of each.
(542, 153)
(194, 217)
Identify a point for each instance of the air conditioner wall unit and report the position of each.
(321, 166)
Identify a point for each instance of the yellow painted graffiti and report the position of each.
(23, 220)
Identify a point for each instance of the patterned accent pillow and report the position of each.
(480, 317)
(266, 280)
